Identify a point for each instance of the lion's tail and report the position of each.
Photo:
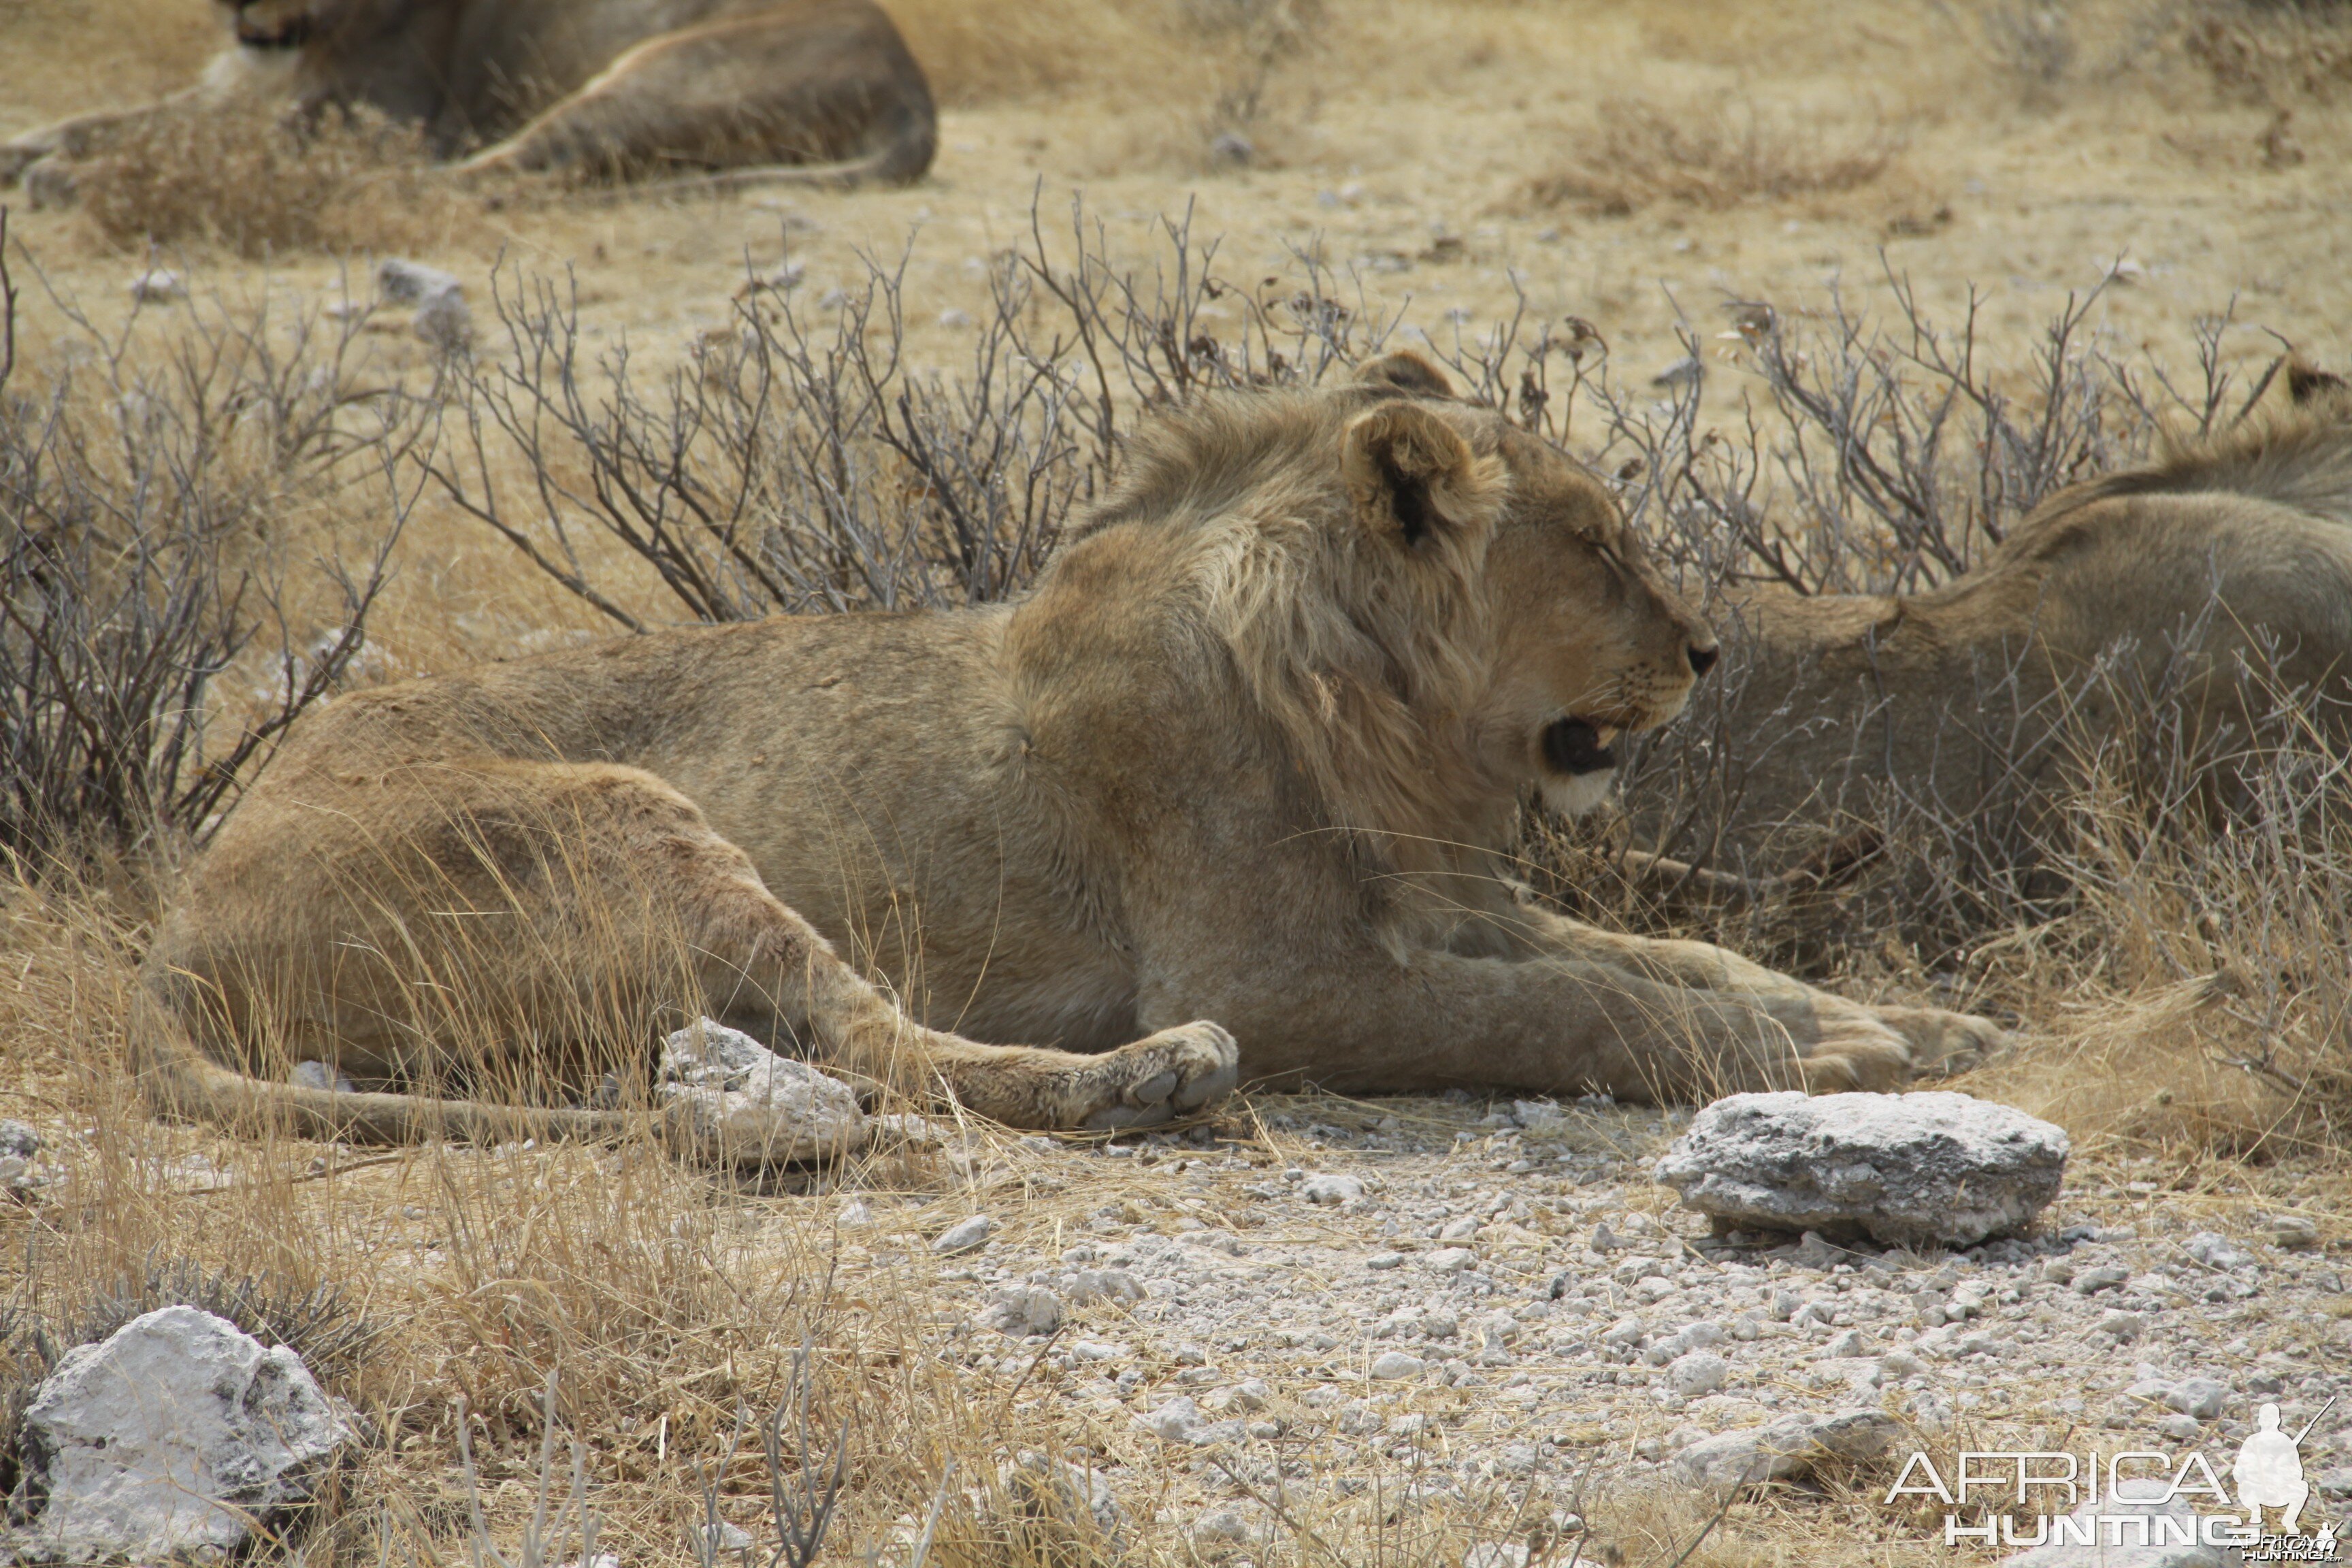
(178, 1078)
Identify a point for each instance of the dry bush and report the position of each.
(1713, 155)
(250, 181)
(2272, 54)
(144, 554)
(806, 464)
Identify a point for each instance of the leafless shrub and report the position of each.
(136, 566)
(805, 464)
(1713, 155)
(252, 182)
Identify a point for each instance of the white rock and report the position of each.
(1785, 1450)
(1900, 1168)
(2108, 1552)
(2199, 1397)
(1221, 1524)
(1091, 1285)
(1536, 1115)
(174, 1435)
(965, 1236)
(732, 1538)
(855, 1215)
(2217, 1251)
(1023, 1310)
(1391, 1365)
(1449, 1260)
(1330, 1190)
(1700, 1371)
(1040, 1486)
(158, 286)
(1173, 1422)
(759, 1107)
(1841, 1347)
(399, 282)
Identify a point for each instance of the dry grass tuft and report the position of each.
(247, 181)
(1714, 156)
(2276, 53)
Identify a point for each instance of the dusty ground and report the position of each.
(1447, 157)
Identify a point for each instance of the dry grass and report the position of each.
(1715, 154)
(245, 180)
(2272, 54)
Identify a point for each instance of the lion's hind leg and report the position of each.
(487, 933)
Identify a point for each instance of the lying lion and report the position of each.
(2180, 605)
(760, 90)
(1248, 753)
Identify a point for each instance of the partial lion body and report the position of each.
(2205, 592)
(722, 91)
(1248, 753)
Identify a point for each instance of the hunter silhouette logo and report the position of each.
(2269, 1472)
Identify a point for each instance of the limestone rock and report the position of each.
(965, 1236)
(1023, 1310)
(1331, 1190)
(174, 1435)
(1902, 1169)
(759, 1107)
(1785, 1450)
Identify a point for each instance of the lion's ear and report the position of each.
(1410, 475)
(1407, 372)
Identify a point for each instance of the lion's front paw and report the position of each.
(1150, 1081)
(1943, 1043)
(1854, 1051)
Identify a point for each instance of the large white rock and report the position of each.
(173, 1435)
(1900, 1168)
(756, 1106)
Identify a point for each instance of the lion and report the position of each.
(1227, 790)
(712, 93)
(2188, 606)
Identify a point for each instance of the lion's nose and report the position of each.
(1702, 659)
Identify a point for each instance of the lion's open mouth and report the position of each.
(1575, 746)
(291, 33)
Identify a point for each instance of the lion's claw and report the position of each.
(1181, 1069)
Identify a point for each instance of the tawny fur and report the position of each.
(726, 92)
(2203, 590)
(1248, 753)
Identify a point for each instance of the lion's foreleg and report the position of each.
(1939, 1040)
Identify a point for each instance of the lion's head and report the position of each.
(1435, 608)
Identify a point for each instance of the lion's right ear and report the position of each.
(1411, 476)
(1407, 372)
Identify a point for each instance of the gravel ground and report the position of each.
(1499, 1307)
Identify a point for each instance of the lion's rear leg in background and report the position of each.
(756, 99)
(498, 931)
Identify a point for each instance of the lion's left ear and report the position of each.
(1411, 476)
